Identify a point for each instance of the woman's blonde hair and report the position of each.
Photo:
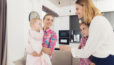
(89, 10)
(33, 21)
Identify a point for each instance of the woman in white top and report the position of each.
(100, 43)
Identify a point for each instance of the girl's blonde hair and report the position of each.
(89, 10)
(33, 21)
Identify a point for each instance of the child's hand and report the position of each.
(46, 27)
(41, 27)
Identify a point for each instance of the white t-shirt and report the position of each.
(100, 42)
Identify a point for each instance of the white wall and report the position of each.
(15, 25)
(18, 25)
(105, 5)
(60, 23)
(64, 11)
(102, 5)
(110, 17)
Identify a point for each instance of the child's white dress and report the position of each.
(35, 44)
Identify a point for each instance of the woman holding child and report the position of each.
(50, 37)
(99, 47)
(38, 53)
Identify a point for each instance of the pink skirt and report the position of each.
(32, 60)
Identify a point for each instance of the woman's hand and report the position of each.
(36, 54)
(47, 51)
(92, 63)
(65, 48)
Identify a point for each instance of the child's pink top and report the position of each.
(35, 44)
(84, 61)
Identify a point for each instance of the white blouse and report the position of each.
(100, 42)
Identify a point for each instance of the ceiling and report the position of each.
(63, 3)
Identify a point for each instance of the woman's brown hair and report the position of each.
(47, 15)
(89, 10)
(84, 24)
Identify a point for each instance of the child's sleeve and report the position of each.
(35, 43)
(37, 48)
(28, 47)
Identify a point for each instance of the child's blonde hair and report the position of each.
(33, 21)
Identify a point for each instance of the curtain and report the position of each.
(3, 36)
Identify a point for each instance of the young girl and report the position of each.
(84, 31)
(35, 56)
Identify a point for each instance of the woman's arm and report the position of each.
(68, 48)
(65, 48)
